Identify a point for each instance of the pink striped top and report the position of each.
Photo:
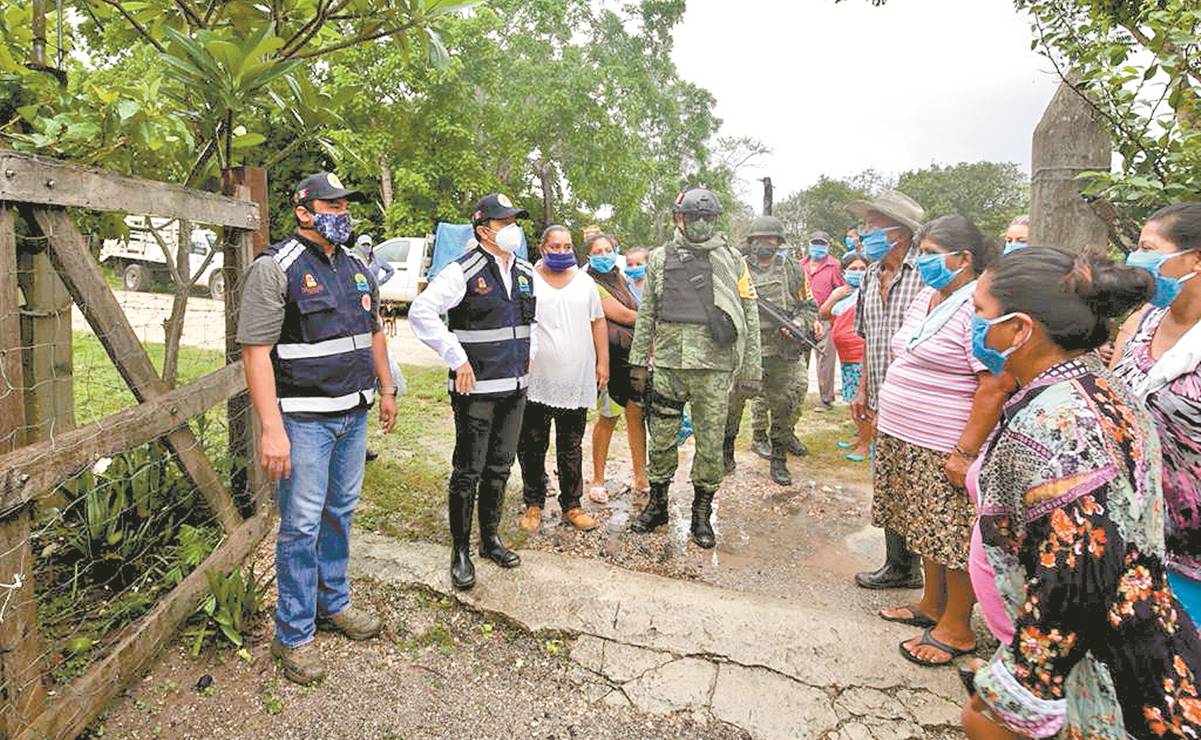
(927, 394)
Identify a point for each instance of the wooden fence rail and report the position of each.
(39, 189)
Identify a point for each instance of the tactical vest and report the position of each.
(685, 300)
(773, 284)
(322, 361)
(492, 326)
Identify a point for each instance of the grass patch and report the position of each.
(99, 388)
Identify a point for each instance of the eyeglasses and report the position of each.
(706, 217)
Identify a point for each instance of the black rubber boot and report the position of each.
(702, 509)
(727, 455)
(654, 514)
(901, 567)
(492, 496)
(462, 570)
(797, 447)
(779, 469)
(761, 445)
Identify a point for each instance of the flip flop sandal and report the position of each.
(916, 618)
(599, 494)
(845, 445)
(856, 457)
(928, 639)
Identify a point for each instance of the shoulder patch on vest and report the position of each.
(746, 288)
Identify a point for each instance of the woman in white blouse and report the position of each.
(571, 362)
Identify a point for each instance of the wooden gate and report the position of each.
(39, 190)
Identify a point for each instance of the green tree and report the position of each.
(1138, 63)
(823, 205)
(989, 193)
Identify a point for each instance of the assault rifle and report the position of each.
(797, 334)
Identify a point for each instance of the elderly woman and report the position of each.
(937, 406)
(1160, 359)
(621, 311)
(1071, 516)
(571, 362)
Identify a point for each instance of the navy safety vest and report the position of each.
(323, 362)
(493, 327)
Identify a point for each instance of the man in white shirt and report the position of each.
(488, 297)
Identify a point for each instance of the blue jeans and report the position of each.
(315, 507)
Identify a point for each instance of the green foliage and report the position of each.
(989, 193)
(586, 94)
(1138, 62)
(823, 206)
(234, 600)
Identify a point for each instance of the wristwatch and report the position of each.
(389, 391)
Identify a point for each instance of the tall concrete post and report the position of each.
(1067, 141)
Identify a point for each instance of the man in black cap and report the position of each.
(313, 352)
(488, 297)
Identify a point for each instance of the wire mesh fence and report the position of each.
(124, 446)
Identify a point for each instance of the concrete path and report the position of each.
(771, 667)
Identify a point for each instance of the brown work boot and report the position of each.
(353, 623)
(576, 517)
(302, 664)
(531, 520)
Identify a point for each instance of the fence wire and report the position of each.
(113, 538)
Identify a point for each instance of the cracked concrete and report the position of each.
(771, 667)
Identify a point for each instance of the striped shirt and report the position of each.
(927, 395)
(877, 322)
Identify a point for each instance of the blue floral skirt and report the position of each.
(852, 373)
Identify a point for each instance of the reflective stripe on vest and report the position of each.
(502, 385)
(475, 336)
(323, 349)
(326, 404)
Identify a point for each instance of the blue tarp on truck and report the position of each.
(450, 242)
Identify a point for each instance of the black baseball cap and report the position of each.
(323, 186)
(496, 205)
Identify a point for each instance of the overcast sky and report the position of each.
(855, 86)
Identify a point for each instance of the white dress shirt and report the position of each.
(444, 292)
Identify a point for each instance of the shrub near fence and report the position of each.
(112, 529)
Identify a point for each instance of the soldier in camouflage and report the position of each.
(699, 326)
(778, 279)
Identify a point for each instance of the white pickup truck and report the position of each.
(140, 262)
(410, 257)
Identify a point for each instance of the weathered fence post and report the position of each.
(46, 339)
(245, 183)
(1067, 141)
(21, 691)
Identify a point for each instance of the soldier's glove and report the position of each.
(750, 388)
(638, 376)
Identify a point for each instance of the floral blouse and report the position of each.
(1071, 518)
(1176, 409)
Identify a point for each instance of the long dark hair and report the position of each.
(1073, 296)
(1180, 224)
(958, 232)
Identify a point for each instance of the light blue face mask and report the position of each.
(1167, 289)
(603, 263)
(819, 250)
(875, 244)
(933, 270)
(1011, 247)
(990, 358)
(854, 278)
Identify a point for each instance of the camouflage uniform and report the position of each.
(691, 367)
(785, 372)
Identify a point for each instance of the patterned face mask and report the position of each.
(335, 227)
(699, 230)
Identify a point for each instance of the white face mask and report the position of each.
(508, 238)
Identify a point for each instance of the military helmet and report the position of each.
(697, 201)
(766, 226)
